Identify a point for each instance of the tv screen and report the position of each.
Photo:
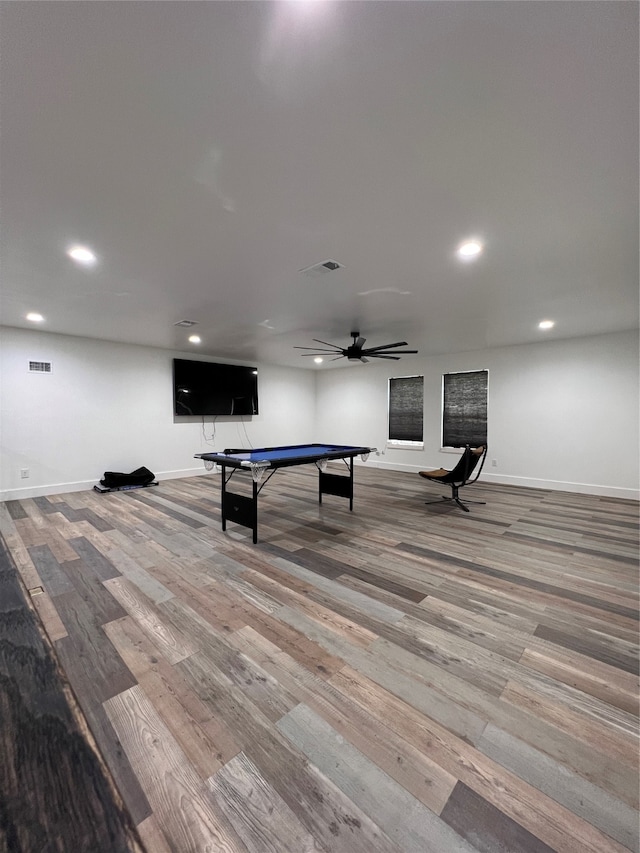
(208, 388)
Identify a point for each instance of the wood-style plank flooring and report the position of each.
(401, 678)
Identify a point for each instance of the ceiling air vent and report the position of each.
(39, 367)
(186, 324)
(322, 268)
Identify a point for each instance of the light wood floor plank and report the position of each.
(422, 778)
(401, 678)
(260, 816)
(190, 820)
(541, 816)
(405, 820)
(593, 804)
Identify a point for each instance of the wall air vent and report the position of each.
(39, 367)
(186, 324)
(322, 268)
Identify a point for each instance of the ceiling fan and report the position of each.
(356, 351)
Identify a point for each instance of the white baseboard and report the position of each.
(530, 482)
(83, 485)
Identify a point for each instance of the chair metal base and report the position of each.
(457, 500)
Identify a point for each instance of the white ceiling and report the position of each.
(209, 151)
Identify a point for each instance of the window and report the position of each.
(464, 408)
(406, 404)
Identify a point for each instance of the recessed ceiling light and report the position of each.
(82, 255)
(194, 339)
(318, 360)
(469, 250)
(35, 318)
(546, 324)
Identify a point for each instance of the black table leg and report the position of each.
(336, 484)
(223, 491)
(351, 484)
(255, 512)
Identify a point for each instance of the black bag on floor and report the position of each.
(139, 477)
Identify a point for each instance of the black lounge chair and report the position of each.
(459, 476)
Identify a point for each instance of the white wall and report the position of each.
(562, 414)
(109, 406)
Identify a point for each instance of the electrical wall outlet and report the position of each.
(24, 473)
(494, 463)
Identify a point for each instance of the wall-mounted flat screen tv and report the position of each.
(208, 388)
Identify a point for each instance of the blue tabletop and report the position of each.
(287, 452)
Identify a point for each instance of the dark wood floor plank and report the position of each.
(16, 510)
(166, 510)
(98, 563)
(589, 647)
(485, 826)
(45, 505)
(50, 571)
(94, 667)
(102, 605)
(97, 521)
(54, 791)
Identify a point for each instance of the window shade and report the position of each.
(464, 408)
(406, 404)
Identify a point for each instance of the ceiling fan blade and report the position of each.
(338, 358)
(326, 343)
(379, 355)
(360, 342)
(316, 349)
(388, 346)
(391, 352)
(365, 360)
